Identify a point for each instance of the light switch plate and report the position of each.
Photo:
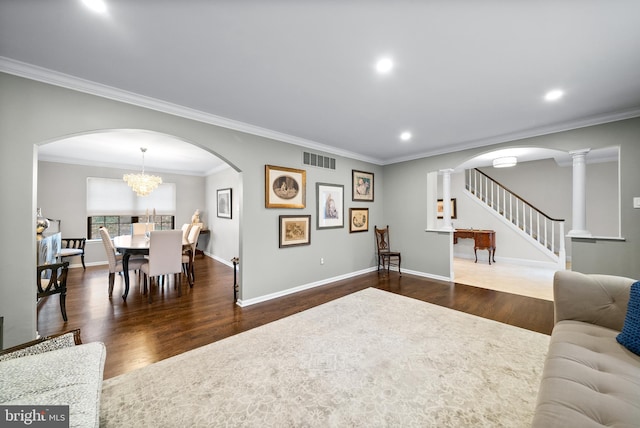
(636, 202)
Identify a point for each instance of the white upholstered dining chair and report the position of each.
(115, 260)
(165, 257)
(188, 257)
(142, 228)
(186, 228)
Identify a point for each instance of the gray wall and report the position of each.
(224, 239)
(34, 113)
(617, 257)
(405, 201)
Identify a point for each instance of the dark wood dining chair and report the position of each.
(73, 247)
(52, 279)
(386, 257)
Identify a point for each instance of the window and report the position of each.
(112, 204)
(121, 224)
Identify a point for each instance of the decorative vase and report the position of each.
(42, 223)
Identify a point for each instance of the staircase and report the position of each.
(544, 232)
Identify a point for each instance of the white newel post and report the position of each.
(562, 252)
(446, 199)
(579, 226)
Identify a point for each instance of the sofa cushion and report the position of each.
(589, 379)
(602, 299)
(69, 376)
(630, 335)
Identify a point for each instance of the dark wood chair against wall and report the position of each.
(386, 257)
(73, 247)
(52, 279)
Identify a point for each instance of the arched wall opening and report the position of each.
(65, 163)
(542, 176)
(36, 113)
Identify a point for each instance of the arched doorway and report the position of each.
(64, 164)
(543, 176)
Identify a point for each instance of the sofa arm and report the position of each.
(592, 298)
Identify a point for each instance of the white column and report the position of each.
(446, 199)
(579, 226)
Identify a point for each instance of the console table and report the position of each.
(483, 240)
(203, 232)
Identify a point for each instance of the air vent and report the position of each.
(321, 161)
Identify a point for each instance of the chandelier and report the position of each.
(142, 183)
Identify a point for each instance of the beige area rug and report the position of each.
(370, 359)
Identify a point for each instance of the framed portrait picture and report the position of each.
(330, 205)
(295, 230)
(224, 203)
(362, 186)
(358, 220)
(440, 208)
(284, 187)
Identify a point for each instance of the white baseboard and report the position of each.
(253, 301)
(219, 259)
(515, 261)
(260, 299)
(248, 302)
(426, 275)
(79, 265)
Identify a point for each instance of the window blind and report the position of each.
(113, 196)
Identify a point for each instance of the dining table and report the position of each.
(129, 245)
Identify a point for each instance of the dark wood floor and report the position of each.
(137, 333)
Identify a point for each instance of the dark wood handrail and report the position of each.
(519, 197)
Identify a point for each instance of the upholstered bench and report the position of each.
(56, 372)
(589, 379)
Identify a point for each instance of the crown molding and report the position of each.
(44, 75)
(51, 77)
(530, 133)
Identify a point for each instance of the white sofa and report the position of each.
(55, 371)
(589, 379)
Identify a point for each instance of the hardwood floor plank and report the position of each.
(137, 333)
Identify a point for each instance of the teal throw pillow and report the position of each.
(630, 335)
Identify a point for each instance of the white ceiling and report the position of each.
(467, 73)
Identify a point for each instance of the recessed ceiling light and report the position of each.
(96, 5)
(554, 95)
(384, 65)
(405, 136)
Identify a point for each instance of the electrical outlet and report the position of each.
(636, 202)
(322, 260)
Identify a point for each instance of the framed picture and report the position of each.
(453, 208)
(284, 187)
(224, 203)
(330, 205)
(362, 186)
(358, 220)
(295, 230)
